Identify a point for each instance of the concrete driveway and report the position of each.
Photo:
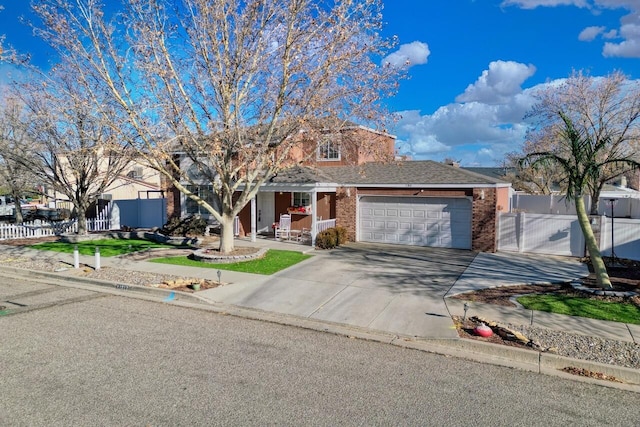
(388, 288)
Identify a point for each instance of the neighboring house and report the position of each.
(135, 182)
(501, 173)
(419, 203)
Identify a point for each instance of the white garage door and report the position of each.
(437, 222)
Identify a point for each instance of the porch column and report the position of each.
(314, 216)
(253, 219)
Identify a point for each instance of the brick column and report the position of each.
(484, 224)
(346, 211)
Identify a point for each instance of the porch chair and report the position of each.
(305, 236)
(283, 229)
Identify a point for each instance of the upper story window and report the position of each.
(328, 150)
(135, 173)
(206, 193)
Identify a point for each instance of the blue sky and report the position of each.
(474, 64)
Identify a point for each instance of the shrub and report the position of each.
(189, 226)
(327, 239)
(342, 235)
(330, 238)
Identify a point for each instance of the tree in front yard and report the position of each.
(14, 174)
(604, 110)
(581, 159)
(226, 88)
(588, 131)
(67, 143)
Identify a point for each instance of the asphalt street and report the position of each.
(79, 357)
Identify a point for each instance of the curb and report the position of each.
(158, 292)
(468, 349)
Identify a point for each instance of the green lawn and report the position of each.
(108, 247)
(583, 307)
(273, 261)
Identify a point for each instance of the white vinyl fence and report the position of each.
(140, 213)
(624, 207)
(40, 228)
(35, 229)
(561, 235)
(626, 238)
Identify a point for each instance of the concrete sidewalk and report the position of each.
(505, 269)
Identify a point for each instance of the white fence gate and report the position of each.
(542, 234)
(140, 213)
(561, 235)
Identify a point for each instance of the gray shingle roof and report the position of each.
(400, 173)
(300, 175)
(496, 172)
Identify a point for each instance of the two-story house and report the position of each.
(351, 179)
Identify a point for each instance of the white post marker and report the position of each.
(76, 257)
(97, 258)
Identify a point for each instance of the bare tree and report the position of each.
(72, 148)
(605, 111)
(541, 177)
(18, 178)
(229, 87)
(587, 129)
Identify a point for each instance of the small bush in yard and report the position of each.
(341, 232)
(190, 226)
(327, 239)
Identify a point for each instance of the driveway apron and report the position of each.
(388, 288)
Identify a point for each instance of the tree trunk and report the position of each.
(18, 209)
(81, 212)
(595, 202)
(226, 234)
(600, 270)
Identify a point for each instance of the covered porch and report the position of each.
(308, 209)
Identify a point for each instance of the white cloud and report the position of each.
(409, 54)
(625, 49)
(630, 46)
(485, 123)
(629, 31)
(590, 33)
(500, 82)
(532, 4)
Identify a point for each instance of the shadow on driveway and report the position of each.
(396, 268)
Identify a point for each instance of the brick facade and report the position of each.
(346, 210)
(172, 195)
(484, 210)
(484, 220)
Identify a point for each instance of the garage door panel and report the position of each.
(418, 227)
(416, 221)
(405, 238)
